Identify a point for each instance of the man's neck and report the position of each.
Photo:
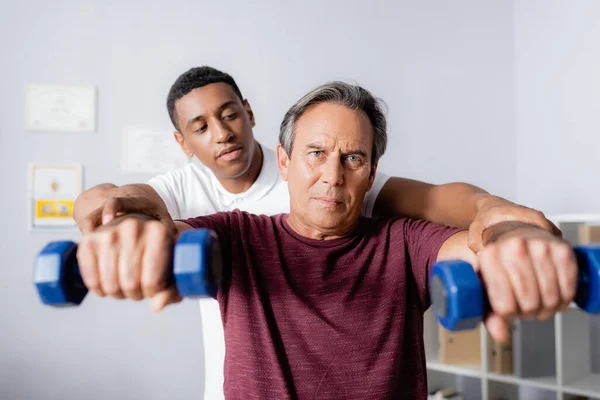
(316, 233)
(242, 183)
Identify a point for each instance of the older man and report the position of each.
(321, 303)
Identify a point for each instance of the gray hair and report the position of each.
(351, 96)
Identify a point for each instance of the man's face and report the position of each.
(329, 171)
(216, 127)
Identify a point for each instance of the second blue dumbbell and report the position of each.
(460, 302)
(196, 269)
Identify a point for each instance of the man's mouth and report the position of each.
(230, 153)
(328, 201)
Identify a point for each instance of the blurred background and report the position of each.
(501, 94)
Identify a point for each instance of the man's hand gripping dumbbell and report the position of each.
(461, 296)
(133, 257)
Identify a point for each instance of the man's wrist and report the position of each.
(137, 215)
(506, 229)
(485, 199)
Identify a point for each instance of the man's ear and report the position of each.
(181, 140)
(250, 113)
(283, 161)
(372, 175)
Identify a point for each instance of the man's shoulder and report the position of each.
(191, 177)
(399, 228)
(191, 171)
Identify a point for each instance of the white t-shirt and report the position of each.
(193, 191)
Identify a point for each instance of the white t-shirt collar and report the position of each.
(267, 178)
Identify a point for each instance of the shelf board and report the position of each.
(464, 370)
(545, 382)
(586, 386)
(574, 217)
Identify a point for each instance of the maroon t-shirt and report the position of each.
(324, 319)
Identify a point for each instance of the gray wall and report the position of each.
(557, 104)
(444, 68)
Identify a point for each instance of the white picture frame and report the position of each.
(53, 189)
(153, 151)
(60, 108)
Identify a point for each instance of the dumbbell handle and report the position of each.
(195, 268)
(460, 301)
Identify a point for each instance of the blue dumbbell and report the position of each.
(196, 269)
(460, 302)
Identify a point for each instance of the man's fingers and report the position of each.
(475, 241)
(497, 282)
(88, 266)
(555, 230)
(498, 327)
(156, 260)
(566, 270)
(91, 221)
(545, 270)
(108, 261)
(517, 263)
(162, 299)
(130, 273)
(114, 206)
(130, 260)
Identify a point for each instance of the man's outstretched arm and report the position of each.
(527, 272)
(101, 203)
(454, 204)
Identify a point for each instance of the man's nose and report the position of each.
(222, 133)
(333, 172)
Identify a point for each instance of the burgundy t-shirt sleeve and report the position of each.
(220, 223)
(225, 226)
(423, 242)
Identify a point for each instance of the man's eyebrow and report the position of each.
(358, 152)
(317, 146)
(195, 119)
(227, 104)
(314, 146)
(221, 108)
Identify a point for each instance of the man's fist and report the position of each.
(528, 273)
(130, 257)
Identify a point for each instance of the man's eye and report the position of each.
(201, 129)
(230, 117)
(353, 159)
(316, 153)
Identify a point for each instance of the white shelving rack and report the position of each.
(572, 348)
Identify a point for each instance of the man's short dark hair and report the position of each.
(196, 78)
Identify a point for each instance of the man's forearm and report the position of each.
(452, 204)
(95, 198)
(455, 204)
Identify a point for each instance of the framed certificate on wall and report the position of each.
(53, 190)
(60, 108)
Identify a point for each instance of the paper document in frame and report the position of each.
(54, 189)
